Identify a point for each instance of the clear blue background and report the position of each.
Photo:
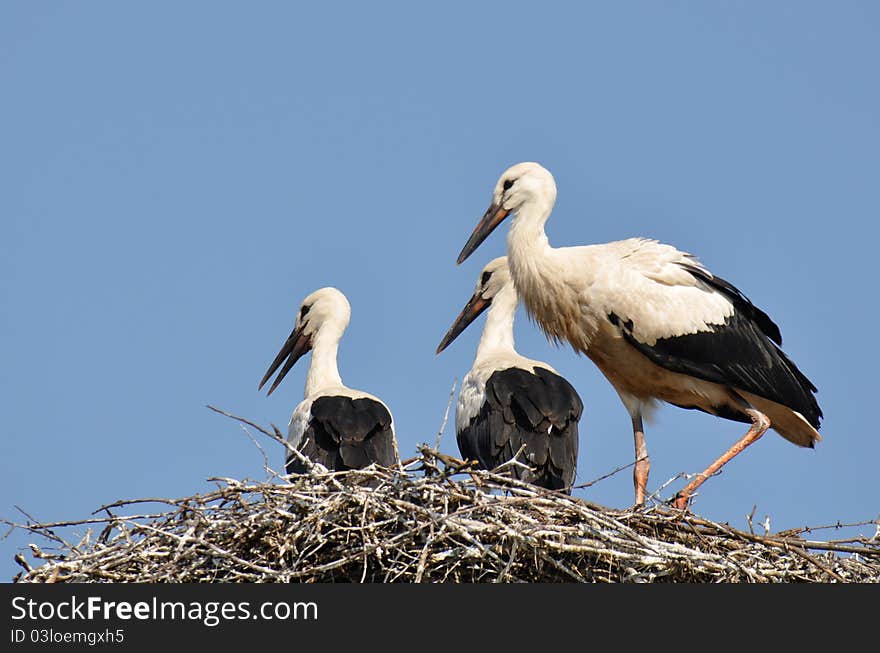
(176, 177)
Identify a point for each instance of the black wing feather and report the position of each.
(346, 433)
(743, 353)
(539, 410)
(741, 303)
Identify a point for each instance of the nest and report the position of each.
(434, 520)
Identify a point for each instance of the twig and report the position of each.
(445, 415)
(444, 521)
(291, 450)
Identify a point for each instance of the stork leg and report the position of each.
(760, 424)
(643, 463)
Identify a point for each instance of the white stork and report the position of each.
(657, 323)
(334, 425)
(508, 401)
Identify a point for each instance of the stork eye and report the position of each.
(485, 278)
(508, 183)
(303, 312)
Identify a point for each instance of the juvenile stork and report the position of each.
(657, 323)
(334, 425)
(508, 401)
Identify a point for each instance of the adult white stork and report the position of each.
(657, 323)
(508, 401)
(334, 425)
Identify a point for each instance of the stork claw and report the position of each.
(681, 501)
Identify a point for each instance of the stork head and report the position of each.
(493, 279)
(324, 313)
(520, 185)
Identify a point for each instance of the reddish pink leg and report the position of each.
(760, 424)
(643, 463)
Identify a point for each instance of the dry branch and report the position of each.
(439, 520)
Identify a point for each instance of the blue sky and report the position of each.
(177, 177)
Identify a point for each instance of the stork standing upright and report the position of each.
(334, 425)
(657, 323)
(507, 401)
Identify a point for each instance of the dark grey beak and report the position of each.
(294, 347)
(491, 219)
(469, 313)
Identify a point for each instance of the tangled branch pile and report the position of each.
(435, 521)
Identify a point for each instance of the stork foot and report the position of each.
(681, 501)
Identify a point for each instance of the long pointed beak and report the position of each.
(491, 219)
(294, 347)
(469, 313)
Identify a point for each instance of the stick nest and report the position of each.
(436, 520)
